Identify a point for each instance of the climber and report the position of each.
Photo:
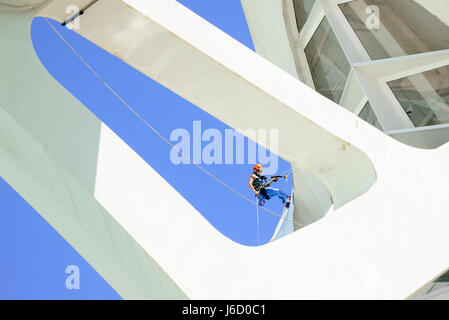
(261, 188)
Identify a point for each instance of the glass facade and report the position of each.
(443, 278)
(387, 29)
(369, 116)
(302, 11)
(424, 96)
(327, 62)
(405, 28)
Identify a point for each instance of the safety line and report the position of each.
(286, 173)
(258, 231)
(154, 130)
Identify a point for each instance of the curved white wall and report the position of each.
(386, 243)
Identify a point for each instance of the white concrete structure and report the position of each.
(385, 236)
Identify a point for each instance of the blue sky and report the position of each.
(34, 256)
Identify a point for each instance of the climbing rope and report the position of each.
(258, 232)
(287, 172)
(156, 131)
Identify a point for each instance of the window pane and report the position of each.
(405, 28)
(302, 11)
(424, 96)
(327, 62)
(443, 278)
(369, 116)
